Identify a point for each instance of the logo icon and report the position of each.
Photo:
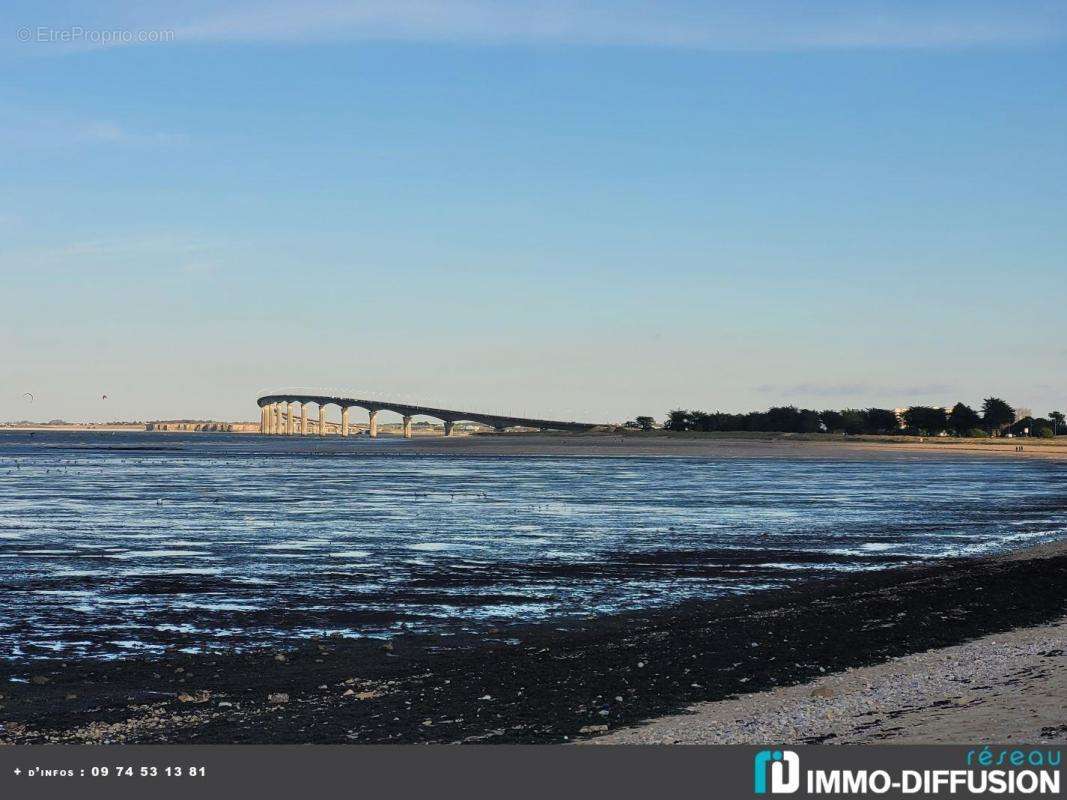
(784, 767)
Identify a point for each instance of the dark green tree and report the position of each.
(962, 419)
(1043, 429)
(854, 421)
(833, 421)
(784, 419)
(996, 414)
(927, 420)
(701, 421)
(645, 423)
(809, 421)
(677, 420)
(1057, 419)
(881, 421)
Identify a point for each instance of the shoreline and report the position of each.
(638, 445)
(1006, 687)
(726, 446)
(537, 683)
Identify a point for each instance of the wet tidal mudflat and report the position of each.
(534, 682)
(123, 545)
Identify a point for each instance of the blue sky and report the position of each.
(591, 210)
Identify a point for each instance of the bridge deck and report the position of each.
(444, 414)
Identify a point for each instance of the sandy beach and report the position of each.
(1009, 687)
(665, 445)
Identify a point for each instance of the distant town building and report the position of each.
(202, 426)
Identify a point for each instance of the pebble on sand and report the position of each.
(592, 729)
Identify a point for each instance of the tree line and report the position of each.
(995, 418)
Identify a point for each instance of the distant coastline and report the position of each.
(150, 426)
(623, 443)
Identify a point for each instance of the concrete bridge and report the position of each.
(287, 414)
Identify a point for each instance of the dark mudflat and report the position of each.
(535, 683)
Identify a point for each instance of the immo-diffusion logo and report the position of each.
(784, 769)
(1013, 771)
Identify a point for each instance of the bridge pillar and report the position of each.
(373, 423)
(322, 419)
(448, 427)
(344, 420)
(303, 419)
(262, 419)
(277, 418)
(289, 418)
(407, 427)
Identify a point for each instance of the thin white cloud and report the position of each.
(694, 24)
(105, 132)
(22, 131)
(119, 248)
(113, 133)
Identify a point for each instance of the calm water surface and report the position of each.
(119, 543)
